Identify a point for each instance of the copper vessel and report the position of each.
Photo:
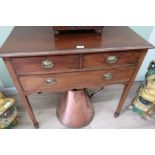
(75, 109)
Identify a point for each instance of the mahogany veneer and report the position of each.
(74, 80)
(39, 61)
(99, 60)
(32, 65)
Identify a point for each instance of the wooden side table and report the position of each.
(39, 61)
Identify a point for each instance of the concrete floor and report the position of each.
(105, 103)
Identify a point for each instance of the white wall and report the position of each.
(149, 57)
(1, 84)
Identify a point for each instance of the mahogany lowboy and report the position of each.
(39, 61)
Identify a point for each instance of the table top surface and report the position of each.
(40, 40)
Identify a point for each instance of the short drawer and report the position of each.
(111, 59)
(46, 64)
(75, 80)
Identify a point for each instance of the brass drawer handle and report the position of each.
(47, 64)
(107, 76)
(111, 59)
(50, 81)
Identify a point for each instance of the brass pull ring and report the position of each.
(47, 64)
(107, 76)
(50, 81)
(111, 59)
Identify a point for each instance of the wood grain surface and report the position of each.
(99, 60)
(36, 40)
(33, 65)
(75, 80)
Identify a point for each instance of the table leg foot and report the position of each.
(36, 125)
(116, 114)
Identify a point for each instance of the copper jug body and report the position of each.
(75, 109)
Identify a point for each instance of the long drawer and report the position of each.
(111, 59)
(45, 64)
(75, 80)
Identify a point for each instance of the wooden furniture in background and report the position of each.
(39, 61)
(58, 29)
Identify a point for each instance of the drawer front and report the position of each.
(44, 65)
(76, 80)
(111, 59)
